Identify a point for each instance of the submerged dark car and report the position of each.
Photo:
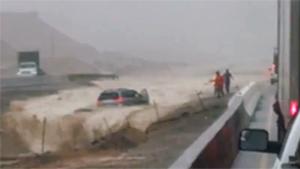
(123, 96)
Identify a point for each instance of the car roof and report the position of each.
(117, 90)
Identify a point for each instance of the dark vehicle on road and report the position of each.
(126, 97)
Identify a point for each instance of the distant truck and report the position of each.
(28, 63)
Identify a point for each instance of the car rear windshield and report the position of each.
(129, 93)
(27, 65)
(108, 96)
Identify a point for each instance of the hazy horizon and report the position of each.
(165, 30)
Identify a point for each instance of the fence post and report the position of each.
(107, 126)
(156, 110)
(128, 121)
(198, 94)
(43, 135)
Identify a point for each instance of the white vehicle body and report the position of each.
(290, 147)
(27, 69)
(288, 43)
(289, 74)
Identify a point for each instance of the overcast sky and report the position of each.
(164, 29)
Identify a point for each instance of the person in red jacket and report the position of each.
(218, 82)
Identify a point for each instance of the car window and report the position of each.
(129, 93)
(108, 96)
(27, 65)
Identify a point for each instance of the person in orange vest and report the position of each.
(218, 83)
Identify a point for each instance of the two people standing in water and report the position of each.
(221, 81)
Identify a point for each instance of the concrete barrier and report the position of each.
(217, 147)
(251, 97)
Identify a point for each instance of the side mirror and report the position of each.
(258, 140)
(253, 140)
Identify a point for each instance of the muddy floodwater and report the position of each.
(52, 123)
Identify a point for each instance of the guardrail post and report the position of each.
(156, 110)
(107, 126)
(198, 94)
(43, 135)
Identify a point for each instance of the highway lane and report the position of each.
(264, 118)
(35, 81)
